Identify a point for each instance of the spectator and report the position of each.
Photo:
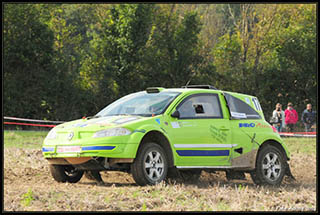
(291, 117)
(308, 118)
(278, 115)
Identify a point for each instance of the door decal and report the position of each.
(203, 152)
(218, 134)
(205, 145)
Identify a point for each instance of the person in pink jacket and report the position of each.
(291, 117)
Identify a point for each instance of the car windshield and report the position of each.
(141, 103)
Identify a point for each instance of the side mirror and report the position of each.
(175, 114)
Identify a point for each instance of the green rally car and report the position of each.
(178, 132)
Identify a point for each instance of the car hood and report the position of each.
(99, 123)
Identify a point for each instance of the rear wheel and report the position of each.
(270, 167)
(150, 165)
(65, 173)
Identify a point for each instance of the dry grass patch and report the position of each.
(28, 186)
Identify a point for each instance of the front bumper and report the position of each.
(100, 150)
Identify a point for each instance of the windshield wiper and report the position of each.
(120, 114)
(93, 117)
(130, 115)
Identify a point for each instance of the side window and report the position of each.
(239, 109)
(256, 104)
(200, 106)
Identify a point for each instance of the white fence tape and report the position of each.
(282, 134)
(297, 135)
(31, 120)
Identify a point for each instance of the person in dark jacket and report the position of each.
(309, 118)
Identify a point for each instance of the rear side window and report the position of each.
(256, 104)
(241, 110)
(200, 106)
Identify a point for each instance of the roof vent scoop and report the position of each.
(154, 89)
(200, 87)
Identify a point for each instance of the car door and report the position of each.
(247, 126)
(201, 133)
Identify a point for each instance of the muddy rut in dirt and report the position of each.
(28, 186)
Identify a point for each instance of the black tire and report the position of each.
(65, 173)
(270, 167)
(150, 166)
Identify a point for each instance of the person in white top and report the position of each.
(278, 114)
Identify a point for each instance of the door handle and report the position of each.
(223, 128)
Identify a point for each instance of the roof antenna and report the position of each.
(187, 84)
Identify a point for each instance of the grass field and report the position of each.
(28, 185)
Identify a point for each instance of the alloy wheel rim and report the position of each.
(154, 165)
(271, 166)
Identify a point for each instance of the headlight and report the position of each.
(112, 132)
(52, 134)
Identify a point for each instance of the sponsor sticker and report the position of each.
(259, 125)
(77, 125)
(239, 115)
(105, 124)
(186, 124)
(175, 125)
(125, 120)
(61, 149)
(247, 125)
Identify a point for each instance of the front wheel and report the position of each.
(270, 166)
(65, 173)
(150, 165)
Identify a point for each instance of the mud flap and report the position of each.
(289, 174)
(94, 175)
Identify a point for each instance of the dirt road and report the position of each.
(28, 186)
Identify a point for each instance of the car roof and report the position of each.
(188, 89)
(184, 90)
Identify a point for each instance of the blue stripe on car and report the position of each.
(47, 149)
(86, 148)
(203, 152)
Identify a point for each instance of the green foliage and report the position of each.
(227, 55)
(173, 49)
(27, 198)
(297, 56)
(65, 61)
(271, 53)
(27, 60)
(144, 207)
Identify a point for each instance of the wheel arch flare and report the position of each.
(158, 136)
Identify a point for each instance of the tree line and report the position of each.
(65, 61)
